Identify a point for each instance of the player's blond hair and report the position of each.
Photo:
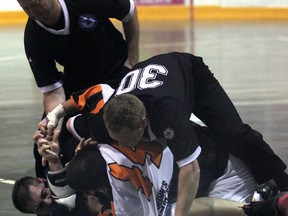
(124, 111)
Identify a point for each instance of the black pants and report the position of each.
(212, 105)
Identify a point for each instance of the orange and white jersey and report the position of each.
(140, 177)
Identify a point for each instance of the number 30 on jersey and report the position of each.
(142, 79)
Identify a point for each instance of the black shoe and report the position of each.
(277, 206)
(268, 190)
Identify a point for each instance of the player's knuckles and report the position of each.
(42, 141)
(44, 148)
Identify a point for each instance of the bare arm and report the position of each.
(53, 98)
(209, 206)
(188, 182)
(68, 107)
(51, 102)
(131, 30)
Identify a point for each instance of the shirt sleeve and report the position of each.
(91, 126)
(91, 100)
(170, 120)
(41, 63)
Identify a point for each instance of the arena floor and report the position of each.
(249, 58)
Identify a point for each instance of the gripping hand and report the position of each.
(53, 117)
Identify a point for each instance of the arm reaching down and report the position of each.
(131, 30)
(188, 182)
(87, 100)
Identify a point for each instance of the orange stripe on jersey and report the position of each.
(99, 106)
(137, 156)
(86, 95)
(134, 175)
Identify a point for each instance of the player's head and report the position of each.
(41, 10)
(87, 172)
(125, 119)
(30, 195)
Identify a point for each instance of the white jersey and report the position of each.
(140, 177)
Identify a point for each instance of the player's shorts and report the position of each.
(237, 182)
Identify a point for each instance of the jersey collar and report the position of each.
(148, 133)
(66, 30)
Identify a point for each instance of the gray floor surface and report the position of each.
(249, 59)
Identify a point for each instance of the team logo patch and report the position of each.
(87, 22)
(168, 133)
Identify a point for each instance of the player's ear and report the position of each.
(143, 123)
(41, 180)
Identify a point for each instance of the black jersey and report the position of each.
(88, 46)
(91, 101)
(174, 85)
(166, 85)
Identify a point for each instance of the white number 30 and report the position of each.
(142, 79)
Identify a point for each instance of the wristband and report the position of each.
(53, 117)
(68, 202)
(58, 185)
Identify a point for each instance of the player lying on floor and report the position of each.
(202, 206)
(50, 196)
(166, 89)
(93, 100)
(238, 186)
(137, 179)
(172, 86)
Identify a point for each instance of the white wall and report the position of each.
(243, 3)
(254, 3)
(207, 2)
(10, 5)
